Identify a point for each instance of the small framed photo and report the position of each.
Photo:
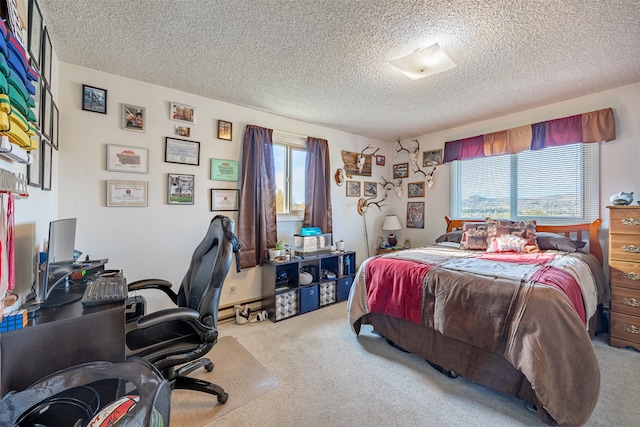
(182, 151)
(380, 160)
(370, 189)
(183, 113)
(94, 99)
(416, 189)
(34, 173)
(47, 113)
(133, 118)
(124, 158)
(415, 214)
(182, 131)
(127, 193)
(224, 200)
(55, 124)
(180, 189)
(47, 58)
(401, 170)
(224, 130)
(353, 188)
(432, 158)
(224, 170)
(46, 150)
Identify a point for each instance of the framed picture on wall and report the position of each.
(94, 99)
(415, 189)
(125, 158)
(46, 159)
(353, 188)
(34, 173)
(182, 113)
(415, 214)
(401, 170)
(182, 151)
(370, 189)
(55, 125)
(224, 200)
(47, 58)
(127, 193)
(224, 130)
(224, 170)
(432, 158)
(133, 118)
(46, 113)
(34, 36)
(180, 189)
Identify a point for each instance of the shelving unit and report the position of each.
(283, 295)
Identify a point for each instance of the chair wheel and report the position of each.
(209, 367)
(223, 397)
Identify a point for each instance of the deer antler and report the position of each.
(386, 184)
(363, 204)
(360, 160)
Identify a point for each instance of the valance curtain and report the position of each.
(595, 126)
(257, 229)
(317, 207)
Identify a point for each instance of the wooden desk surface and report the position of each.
(60, 337)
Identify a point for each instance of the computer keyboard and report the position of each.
(105, 290)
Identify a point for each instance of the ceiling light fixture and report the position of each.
(424, 62)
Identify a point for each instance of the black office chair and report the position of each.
(175, 336)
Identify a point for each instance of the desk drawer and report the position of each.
(625, 274)
(625, 327)
(625, 301)
(625, 221)
(624, 247)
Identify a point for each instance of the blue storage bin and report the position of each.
(344, 286)
(309, 298)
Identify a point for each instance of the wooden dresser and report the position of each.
(624, 268)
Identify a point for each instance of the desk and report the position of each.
(60, 337)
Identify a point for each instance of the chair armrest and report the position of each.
(160, 284)
(186, 315)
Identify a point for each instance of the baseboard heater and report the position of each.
(226, 313)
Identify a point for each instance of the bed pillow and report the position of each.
(511, 236)
(474, 236)
(452, 236)
(558, 242)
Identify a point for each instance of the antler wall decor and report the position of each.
(362, 157)
(413, 158)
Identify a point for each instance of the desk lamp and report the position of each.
(391, 223)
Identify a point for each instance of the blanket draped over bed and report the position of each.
(531, 309)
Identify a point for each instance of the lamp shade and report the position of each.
(391, 223)
(424, 62)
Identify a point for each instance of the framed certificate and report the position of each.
(125, 158)
(182, 151)
(224, 200)
(127, 193)
(224, 170)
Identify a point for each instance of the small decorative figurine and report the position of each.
(621, 199)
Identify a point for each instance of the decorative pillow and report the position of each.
(511, 236)
(453, 236)
(474, 236)
(558, 242)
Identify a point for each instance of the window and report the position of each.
(289, 155)
(557, 184)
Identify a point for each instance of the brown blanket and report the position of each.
(501, 310)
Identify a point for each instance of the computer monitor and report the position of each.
(59, 265)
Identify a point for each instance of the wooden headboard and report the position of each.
(580, 232)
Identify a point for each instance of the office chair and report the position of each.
(175, 336)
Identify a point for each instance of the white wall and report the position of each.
(158, 240)
(619, 159)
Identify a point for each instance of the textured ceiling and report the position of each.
(326, 61)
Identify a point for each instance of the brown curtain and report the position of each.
(257, 228)
(317, 206)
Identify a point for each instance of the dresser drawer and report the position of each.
(626, 301)
(625, 221)
(625, 327)
(624, 247)
(625, 273)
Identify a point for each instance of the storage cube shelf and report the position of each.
(283, 295)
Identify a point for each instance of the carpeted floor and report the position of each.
(237, 371)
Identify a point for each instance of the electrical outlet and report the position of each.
(232, 289)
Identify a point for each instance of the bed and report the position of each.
(518, 322)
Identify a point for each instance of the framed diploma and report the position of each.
(182, 151)
(224, 200)
(127, 193)
(224, 170)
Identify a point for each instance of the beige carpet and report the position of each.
(237, 371)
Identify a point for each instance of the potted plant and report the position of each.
(340, 245)
(273, 253)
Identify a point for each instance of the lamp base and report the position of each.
(392, 239)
